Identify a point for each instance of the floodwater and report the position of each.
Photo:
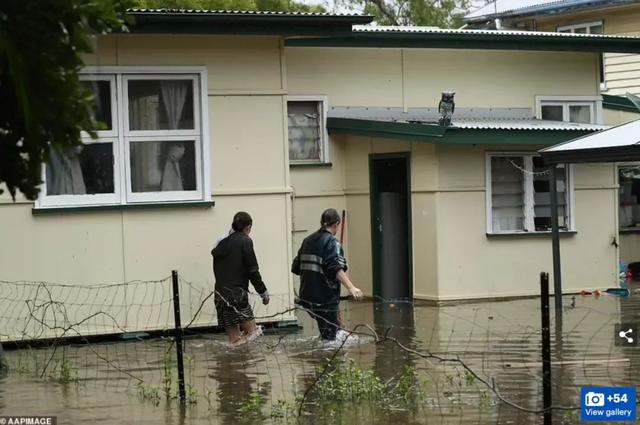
(460, 360)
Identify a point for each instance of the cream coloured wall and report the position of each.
(416, 77)
(510, 265)
(357, 202)
(248, 163)
(614, 117)
(453, 258)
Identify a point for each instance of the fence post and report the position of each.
(546, 347)
(178, 334)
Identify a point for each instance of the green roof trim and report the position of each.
(618, 103)
(178, 21)
(384, 128)
(430, 133)
(492, 40)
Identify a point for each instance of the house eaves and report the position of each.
(508, 126)
(620, 143)
(523, 8)
(182, 21)
(427, 37)
(618, 103)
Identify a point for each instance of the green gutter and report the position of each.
(470, 40)
(430, 133)
(244, 23)
(384, 128)
(618, 103)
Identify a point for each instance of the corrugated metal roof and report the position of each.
(500, 8)
(523, 124)
(204, 12)
(621, 136)
(503, 33)
(463, 118)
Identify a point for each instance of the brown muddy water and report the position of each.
(116, 383)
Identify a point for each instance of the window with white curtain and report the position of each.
(149, 146)
(518, 194)
(306, 125)
(576, 109)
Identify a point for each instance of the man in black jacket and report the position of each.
(321, 265)
(234, 265)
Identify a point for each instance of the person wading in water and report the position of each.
(234, 265)
(321, 265)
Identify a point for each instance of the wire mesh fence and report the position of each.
(406, 362)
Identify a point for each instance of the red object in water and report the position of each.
(585, 292)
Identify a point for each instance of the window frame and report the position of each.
(528, 195)
(153, 133)
(324, 136)
(121, 139)
(114, 107)
(594, 102)
(573, 27)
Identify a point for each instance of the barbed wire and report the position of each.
(59, 312)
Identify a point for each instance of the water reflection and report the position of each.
(500, 341)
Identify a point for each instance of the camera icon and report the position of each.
(592, 399)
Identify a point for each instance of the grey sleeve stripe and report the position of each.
(311, 267)
(311, 258)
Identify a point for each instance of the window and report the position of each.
(307, 134)
(577, 109)
(628, 197)
(518, 194)
(149, 146)
(588, 28)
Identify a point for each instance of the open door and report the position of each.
(629, 217)
(389, 179)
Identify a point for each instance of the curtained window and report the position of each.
(306, 125)
(518, 194)
(149, 144)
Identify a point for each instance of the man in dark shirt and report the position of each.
(234, 265)
(321, 265)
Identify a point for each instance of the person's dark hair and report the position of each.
(240, 221)
(328, 218)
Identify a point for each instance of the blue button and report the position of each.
(607, 404)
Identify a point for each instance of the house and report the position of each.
(619, 74)
(286, 114)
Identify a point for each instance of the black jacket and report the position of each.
(318, 261)
(234, 265)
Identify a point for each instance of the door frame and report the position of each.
(374, 203)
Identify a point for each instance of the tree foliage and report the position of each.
(270, 5)
(439, 13)
(42, 102)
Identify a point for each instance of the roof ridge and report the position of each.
(234, 12)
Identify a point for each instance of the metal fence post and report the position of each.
(546, 347)
(178, 335)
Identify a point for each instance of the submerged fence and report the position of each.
(472, 363)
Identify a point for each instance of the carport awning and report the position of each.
(469, 126)
(621, 143)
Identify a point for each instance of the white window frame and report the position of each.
(594, 102)
(121, 138)
(324, 142)
(528, 198)
(114, 108)
(573, 27)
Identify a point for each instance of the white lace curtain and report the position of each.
(149, 172)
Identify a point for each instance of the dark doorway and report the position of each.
(391, 226)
